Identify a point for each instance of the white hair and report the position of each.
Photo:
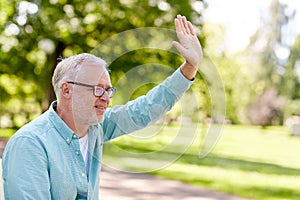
(68, 69)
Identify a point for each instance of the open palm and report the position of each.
(188, 46)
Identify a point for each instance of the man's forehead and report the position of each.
(93, 72)
(93, 67)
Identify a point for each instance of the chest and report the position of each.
(69, 174)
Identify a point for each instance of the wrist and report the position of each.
(188, 70)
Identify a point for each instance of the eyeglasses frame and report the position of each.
(95, 87)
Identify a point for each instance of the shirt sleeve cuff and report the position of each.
(177, 83)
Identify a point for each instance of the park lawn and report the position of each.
(247, 161)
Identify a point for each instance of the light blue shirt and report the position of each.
(43, 159)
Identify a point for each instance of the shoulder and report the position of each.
(34, 130)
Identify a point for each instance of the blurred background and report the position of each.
(255, 46)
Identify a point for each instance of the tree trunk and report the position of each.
(50, 95)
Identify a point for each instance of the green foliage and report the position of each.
(260, 68)
(291, 80)
(33, 35)
(6, 133)
(270, 70)
(265, 44)
(234, 72)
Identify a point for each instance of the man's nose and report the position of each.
(105, 96)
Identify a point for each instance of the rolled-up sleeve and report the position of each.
(146, 109)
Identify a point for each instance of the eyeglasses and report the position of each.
(98, 91)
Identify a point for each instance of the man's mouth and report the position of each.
(100, 108)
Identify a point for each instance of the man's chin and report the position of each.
(100, 118)
(96, 120)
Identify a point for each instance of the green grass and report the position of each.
(247, 161)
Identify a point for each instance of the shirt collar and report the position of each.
(62, 128)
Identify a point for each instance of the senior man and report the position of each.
(58, 155)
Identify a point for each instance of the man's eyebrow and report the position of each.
(104, 86)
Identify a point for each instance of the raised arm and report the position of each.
(188, 46)
(146, 109)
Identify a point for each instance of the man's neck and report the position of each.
(67, 117)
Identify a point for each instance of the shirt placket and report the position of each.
(80, 169)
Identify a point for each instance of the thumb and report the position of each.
(179, 47)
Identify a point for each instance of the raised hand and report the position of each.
(188, 46)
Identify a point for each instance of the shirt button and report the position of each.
(83, 174)
(74, 136)
(77, 153)
(68, 140)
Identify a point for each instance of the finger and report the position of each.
(181, 24)
(177, 26)
(191, 28)
(185, 24)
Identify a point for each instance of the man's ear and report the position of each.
(66, 90)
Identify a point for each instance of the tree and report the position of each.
(34, 34)
(291, 82)
(268, 54)
(266, 43)
(233, 72)
(290, 79)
